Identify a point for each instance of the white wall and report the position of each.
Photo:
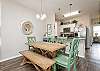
(0, 29)
(51, 20)
(0, 14)
(13, 39)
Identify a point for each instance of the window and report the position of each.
(96, 29)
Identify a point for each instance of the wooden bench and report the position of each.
(37, 60)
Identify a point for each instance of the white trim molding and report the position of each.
(10, 58)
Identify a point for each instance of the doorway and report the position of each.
(96, 34)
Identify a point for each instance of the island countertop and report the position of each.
(81, 38)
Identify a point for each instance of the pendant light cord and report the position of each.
(41, 15)
(99, 11)
(70, 11)
(41, 9)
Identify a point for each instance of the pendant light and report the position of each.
(99, 14)
(72, 13)
(42, 15)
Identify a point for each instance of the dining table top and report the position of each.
(48, 46)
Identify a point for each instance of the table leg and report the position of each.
(52, 54)
(64, 49)
(49, 69)
(29, 47)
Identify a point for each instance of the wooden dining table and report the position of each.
(47, 47)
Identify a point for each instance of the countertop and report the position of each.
(81, 38)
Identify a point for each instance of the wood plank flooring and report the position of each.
(90, 63)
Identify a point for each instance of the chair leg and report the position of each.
(29, 47)
(74, 66)
(68, 68)
(54, 67)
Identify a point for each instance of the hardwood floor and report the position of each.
(90, 63)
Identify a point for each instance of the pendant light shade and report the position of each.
(43, 16)
(37, 16)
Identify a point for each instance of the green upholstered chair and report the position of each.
(51, 39)
(30, 40)
(68, 61)
(61, 40)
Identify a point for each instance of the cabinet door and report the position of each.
(82, 48)
(49, 29)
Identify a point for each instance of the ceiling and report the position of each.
(85, 6)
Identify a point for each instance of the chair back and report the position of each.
(51, 39)
(73, 50)
(31, 39)
(59, 40)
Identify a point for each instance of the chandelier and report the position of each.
(42, 15)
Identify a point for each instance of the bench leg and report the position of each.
(24, 61)
(36, 67)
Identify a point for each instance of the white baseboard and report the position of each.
(81, 56)
(10, 58)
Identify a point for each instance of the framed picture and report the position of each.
(49, 29)
(27, 27)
